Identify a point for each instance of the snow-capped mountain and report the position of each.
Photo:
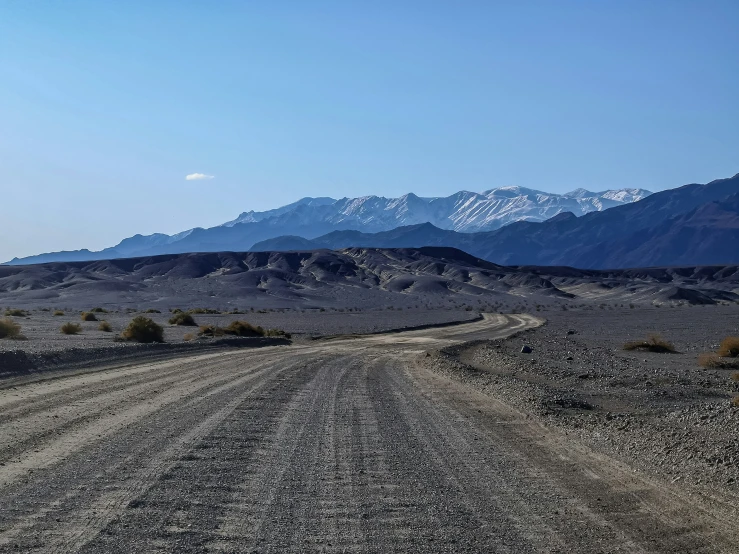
(463, 211)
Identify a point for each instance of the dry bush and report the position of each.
(143, 329)
(105, 326)
(735, 377)
(653, 343)
(58, 312)
(15, 312)
(711, 360)
(211, 331)
(276, 333)
(244, 329)
(88, 316)
(182, 318)
(188, 337)
(735, 401)
(152, 311)
(99, 311)
(71, 329)
(9, 329)
(729, 348)
(241, 329)
(203, 311)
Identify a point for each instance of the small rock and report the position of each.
(526, 349)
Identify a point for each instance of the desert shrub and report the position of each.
(729, 348)
(735, 377)
(88, 316)
(152, 311)
(182, 318)
(58, 312)
(711, 360)
(15, 312)
(99, 311)
(653, 343)
(244, 329)
(105, 326)
(71, 329)
(276, 333)
(175, 310)
(9, 329)
(735, 401)
(203, 311)
(188, 337)
(211, 331)
(143, 329)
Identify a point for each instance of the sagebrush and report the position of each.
(9, 329)
(143, 329)
(182, 318)
(71, 329)
(653, 343)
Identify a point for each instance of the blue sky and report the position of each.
(105, 107)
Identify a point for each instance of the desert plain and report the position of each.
(450, 407)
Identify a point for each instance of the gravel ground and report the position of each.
(341, 445)
(661, 413)
(41, 328)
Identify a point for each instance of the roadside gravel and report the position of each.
(661, 413)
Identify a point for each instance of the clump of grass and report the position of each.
(653, 343)
(712, 360)
(58, 312)
(726, 357)
(241, 329)
(88, 316)
(244, 329)
(211, 331)
(99, 311)
(9, 329)
(71, 329)
(143, 329)
(182, 318)
(729, 348)
(152, 311)
(105, 326)
(15, 312)
(276, 333)
(188, 337)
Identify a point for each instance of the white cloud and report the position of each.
(198, 177)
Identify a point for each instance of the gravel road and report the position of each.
(341, 445)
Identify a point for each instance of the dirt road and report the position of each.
(345, 445)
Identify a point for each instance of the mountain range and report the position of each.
(464, 212)
(693, 224)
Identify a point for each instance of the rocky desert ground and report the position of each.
(511, 420)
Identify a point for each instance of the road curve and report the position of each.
(346, 445)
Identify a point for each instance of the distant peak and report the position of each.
(564, 216)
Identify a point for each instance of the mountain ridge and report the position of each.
(672, 227)
(463, 211)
